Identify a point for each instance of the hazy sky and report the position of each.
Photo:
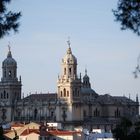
(109, 54)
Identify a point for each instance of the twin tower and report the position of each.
(69, 88)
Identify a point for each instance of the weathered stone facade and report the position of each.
(74, 104)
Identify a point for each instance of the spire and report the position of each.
(9, 51)
(137, 98)
(20, 78)
(85, 71)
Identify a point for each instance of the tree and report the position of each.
(137, 69)
(1, 133)
(122, 130)
(128, 14)
(8, 19)
(126, 130)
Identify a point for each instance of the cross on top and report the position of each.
(69, 41)
(9, 47)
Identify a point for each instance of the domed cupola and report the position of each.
(86, 80)
(9, 67)
(69, 58)
(69, 64)
(9, 61)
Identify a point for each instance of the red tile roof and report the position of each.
(29, 131)
(46, 133)
(62, 132)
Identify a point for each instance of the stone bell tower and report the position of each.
(10, 88)
(69, 88)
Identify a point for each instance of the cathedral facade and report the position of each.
(74, 104)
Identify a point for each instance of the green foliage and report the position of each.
(1, 133)
(125, 130)
(128, 14)
(8, 19)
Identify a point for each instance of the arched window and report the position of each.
(117, 113)
(64, 71)
(70, 71)
(64, 92)
(10, 74)
(67, 93)
(4, 94)
(96, 113)
(35, 113)
(61, 94)
(52, 114)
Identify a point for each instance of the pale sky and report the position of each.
(109, 54)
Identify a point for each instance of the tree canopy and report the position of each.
(128, 14)
(126, 130)
(1, 133)
(8, 19)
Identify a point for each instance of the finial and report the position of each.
(9, 47)
(20, 78)
(9, 50)
(23, 95)
(85, 71)
(137, 98)
(69, 42)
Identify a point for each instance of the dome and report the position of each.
(9, 61)
(69, 58)
(87, 91)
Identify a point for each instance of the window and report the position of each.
(64, 92)
(52, 113)
(10, 74)
(35, 113)
(70, 71)
(61, 94)
(67, 93)
(117, 113)
(4, 95)
(64, 71)
(96, 113)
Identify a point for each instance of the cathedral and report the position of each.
(75, 104)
